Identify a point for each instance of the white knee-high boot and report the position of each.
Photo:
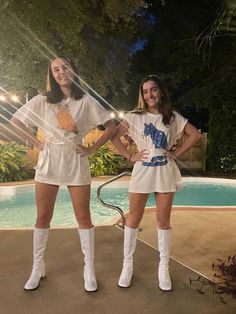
(39, 245)
(164, 237)
(87, 247)
(130, 237)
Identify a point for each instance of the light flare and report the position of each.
(16, 22)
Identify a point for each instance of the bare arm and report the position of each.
(110, 130)
(25, 132)
(193, 137)
(121, 130)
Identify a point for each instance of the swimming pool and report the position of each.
(17, 205)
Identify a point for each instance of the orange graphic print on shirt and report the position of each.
(65, 120)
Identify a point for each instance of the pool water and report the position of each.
(17, 204)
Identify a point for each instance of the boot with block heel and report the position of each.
(38, 271)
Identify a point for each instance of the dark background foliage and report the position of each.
(190, 44)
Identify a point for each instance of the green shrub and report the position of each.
(14, 165)
(106, 162)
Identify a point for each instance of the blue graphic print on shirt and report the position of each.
(159, 140)
(158, 137)
(156, 161)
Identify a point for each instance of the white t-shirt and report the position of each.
(157, 173)
(59, 163)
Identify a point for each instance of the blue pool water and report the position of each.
(17, 205)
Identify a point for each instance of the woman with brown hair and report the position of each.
(155, 128)
(66, 114)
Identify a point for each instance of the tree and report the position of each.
(98, 35)
(203, 78)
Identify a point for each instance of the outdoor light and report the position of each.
(112, 115)
(121, 114)
(14, 98)
(2, 98)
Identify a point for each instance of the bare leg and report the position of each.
(163, 209)
(80, 196)
(45, 200)
(137, 202)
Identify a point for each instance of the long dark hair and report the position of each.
(54, 93)
(164, 106)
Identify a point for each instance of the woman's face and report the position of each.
(62, 72)
(151, 94)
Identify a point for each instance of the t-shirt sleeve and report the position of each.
(177, 127)
(32, 112)
(180, 123)
(97, 115)
(128, 118)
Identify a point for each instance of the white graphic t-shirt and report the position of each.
(158, 173)
(59, 163)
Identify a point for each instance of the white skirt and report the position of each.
(59, 164)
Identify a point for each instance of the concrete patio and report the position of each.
(62, 290)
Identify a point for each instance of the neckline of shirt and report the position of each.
(153, 114)
(67, 101)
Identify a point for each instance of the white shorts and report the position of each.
(59, 164)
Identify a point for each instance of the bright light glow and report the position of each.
(14, 98)
(2, 98)
(112, 115)
(121, 114)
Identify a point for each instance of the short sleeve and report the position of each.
(179, 123)
(32, 112)
(177, 126)
(98, 115)
(128, 118)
